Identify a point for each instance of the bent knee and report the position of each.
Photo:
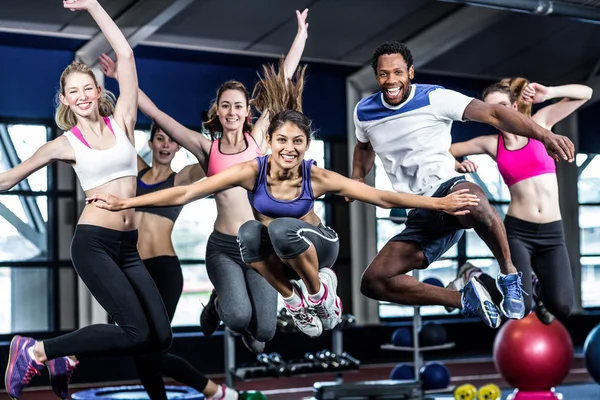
(561, 309)
(237, 319)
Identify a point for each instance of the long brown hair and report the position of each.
(275, 92)
(213, 124)
(65, 117)
(513, 88)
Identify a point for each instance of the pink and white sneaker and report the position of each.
(329, 308)
(228, 394)
(303, 319)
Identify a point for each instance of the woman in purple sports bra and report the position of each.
(287, 243)
(246, 303)
(533, 221)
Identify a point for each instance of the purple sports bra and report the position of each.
(264, 203)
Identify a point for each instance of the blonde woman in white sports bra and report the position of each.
(98, 142)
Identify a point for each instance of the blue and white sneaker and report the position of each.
(512, 304)
(477, 302)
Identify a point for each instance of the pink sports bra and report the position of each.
(218, 161)
(529, 161)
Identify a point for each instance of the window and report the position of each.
(589, 227)
(390, 223)
(193, 228)
(28, 254)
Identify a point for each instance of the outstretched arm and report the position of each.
(508, 120)
(242, 174)
(324, 181)
(55, 150)
(193, 141)
(126, 109)
(574, 96)
(485, 144)
(189, 174)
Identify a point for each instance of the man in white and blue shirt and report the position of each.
(408, 126)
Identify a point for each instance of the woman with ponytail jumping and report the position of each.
(533, 221)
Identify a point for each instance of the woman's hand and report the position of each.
(108, 66)
(106, 202)
(75, 5)
(302, 24)
(456, 202)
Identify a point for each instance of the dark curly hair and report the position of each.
(392, 47)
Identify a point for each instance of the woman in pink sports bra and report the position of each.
(246, 304)
(533, 221)
(98, 143)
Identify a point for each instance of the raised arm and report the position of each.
(485, 144)
(243, 175)
(125, 113)
(191, 140)
(289, 67)
(58, 149)
(324, 181)
(508, 120)
(574, 96)
(189, 174)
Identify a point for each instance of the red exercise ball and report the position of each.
(532, 356)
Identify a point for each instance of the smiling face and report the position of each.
(232, 110)
(163, 148)
(81, 94)
(394, 77)
(288, 144)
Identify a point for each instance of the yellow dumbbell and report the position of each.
(489, 392)
(465, 392)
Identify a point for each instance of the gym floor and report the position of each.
(477, 371)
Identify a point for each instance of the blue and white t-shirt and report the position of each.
(413, 139)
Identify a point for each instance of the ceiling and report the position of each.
(446, 37)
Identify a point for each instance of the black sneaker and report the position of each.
(252, 344)
(540, 309)
(209, 318)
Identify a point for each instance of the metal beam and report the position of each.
(38, 239)
(98, 44)
(539, 7)
(438, 39)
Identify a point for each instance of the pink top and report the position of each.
(529, 161)
(218, 161)
(75, 130)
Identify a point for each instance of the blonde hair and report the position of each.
(513, 88)
(64, 117)
(275, 92)
(213, 124)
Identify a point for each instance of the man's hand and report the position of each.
(559, 147)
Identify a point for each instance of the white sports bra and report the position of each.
(96, 167)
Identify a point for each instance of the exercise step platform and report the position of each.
(369, 390)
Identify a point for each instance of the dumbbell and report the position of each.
(325, 356)
(354, 363)
(282, 366)
(318, 365)
(271, 368)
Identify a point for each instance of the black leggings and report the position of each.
(108, 262)
(540, 248)
(166, 273)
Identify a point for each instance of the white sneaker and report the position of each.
(462, 278)
(302, 317)
(329, 308)
(228, 394)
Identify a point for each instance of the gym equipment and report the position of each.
(435, 376)
(373, 390)
(135, 392)
(533, 357)
(591, 349)
(402, 372)
(465, 392)
(432, 334)
(402, 337)
(285, 323)
(434, 282)
(489, 392)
